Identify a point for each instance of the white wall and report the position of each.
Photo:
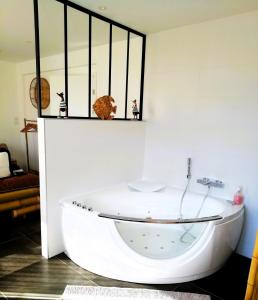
(78, 156)
(11, 121)
(202, 96)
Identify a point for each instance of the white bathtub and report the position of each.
(151, 252)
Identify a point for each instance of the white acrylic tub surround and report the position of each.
(149, 252)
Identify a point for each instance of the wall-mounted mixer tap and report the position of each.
(211, 182)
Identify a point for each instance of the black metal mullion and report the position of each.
(89, 77)
(112, 23)
(37, 52)
(142, 77)
(94, 14)
(77, 118)
(127, 72)
(66, 58)
(110, 60)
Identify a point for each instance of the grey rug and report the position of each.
(75, 292)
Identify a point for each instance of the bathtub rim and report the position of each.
(229, 212)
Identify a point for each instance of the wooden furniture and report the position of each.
(19, 194)
(30, 126)
(20, 202)
(252, 283)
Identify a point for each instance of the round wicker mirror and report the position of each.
(45, 93)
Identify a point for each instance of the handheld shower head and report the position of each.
(189, 166)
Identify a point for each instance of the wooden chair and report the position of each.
(252, 283)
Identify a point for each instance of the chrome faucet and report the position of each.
(211, 182)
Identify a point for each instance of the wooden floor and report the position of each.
(25, 274)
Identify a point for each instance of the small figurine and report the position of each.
(62, 106)
(135, 110)
(104, 107)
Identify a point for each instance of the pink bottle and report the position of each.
(238, 197)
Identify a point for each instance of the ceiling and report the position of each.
(147, 16)
(16, 30)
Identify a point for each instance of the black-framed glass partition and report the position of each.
(85, 56)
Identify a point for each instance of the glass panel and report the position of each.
(51, 32)
(52, 60)
(78, 62)
(100, 58)
(119, 62)
(134, 76)
(160, 241)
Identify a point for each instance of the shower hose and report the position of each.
(187, 230)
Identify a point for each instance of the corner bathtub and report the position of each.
(137, 236)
